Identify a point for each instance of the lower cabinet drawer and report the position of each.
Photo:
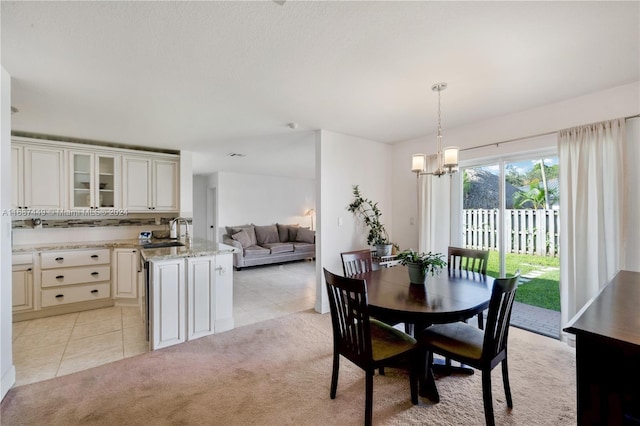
(73, 294)
(63, 259)
(65, 276)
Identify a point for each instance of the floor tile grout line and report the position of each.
(66, 344)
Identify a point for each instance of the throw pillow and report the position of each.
(230, 229)
(243, 238)
(283, 232)
(267, 234)
(293, 233)
(306, 236)
(249, 229)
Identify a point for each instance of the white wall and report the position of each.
(200, 185)
(621, 101)
(186, 184)
(262, 200)
(632, 216)
(343, 161)
(7, 370)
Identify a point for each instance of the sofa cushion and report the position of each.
(283, 232)
(279, 247)
(304, 248)
(250, 229)
(243, 238)
(305, 236)
(267, 234)
(256, 251)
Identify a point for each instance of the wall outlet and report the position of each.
(158, 221)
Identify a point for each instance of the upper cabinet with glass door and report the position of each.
(94, 180)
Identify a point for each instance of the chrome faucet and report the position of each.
(177, 221)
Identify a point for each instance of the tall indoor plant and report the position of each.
(369, 213)
(421, 264)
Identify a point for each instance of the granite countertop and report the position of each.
(198, 247)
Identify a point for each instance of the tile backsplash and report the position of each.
(92, 223)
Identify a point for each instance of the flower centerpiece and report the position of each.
(369, 213)
(421, 264)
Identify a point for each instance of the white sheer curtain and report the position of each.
(591, 214)
(434, 209)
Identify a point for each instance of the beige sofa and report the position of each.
(268, 244)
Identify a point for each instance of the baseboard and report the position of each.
(63, 309)
(224, 324)
(7, 381)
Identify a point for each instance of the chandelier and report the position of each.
(447, 158)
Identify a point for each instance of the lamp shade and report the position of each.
(451, 156)
(418, 163)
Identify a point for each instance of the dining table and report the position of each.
(446, 297)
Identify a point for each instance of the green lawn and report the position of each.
(543, 291)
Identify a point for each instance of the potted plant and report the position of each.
(369, 213)
(420, 264)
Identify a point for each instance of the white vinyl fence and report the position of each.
(529, 231)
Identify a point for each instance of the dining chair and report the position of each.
(366, 342)
(479, 349)
(356, 262)
(462, 259)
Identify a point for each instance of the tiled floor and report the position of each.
(266, 292)
(49, 347)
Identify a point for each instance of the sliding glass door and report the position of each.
(511, 207)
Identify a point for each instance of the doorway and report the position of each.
(212, 214)
(511, 208)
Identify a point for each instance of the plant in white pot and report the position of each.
(369, 213)
(421, 264)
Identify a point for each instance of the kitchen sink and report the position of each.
(162, 244)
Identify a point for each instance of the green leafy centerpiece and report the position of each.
(421, 264)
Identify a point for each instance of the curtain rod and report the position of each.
(497, 144)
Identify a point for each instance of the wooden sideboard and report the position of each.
(608, 354)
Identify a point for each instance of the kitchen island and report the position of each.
(189, 291)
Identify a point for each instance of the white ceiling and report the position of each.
(221, 77)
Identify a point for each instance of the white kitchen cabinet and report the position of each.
(94, 180)
(224, 293)
(201, 283)
(150, 184)
(73, 276)
(167, 295)
(39, 177)
(125, 273)
(22, 282)
(202, 306)
(17, 176)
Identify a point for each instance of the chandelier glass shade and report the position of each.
(447, 157)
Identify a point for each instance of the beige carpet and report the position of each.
(278, 373)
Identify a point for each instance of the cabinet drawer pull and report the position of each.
(59, 277)
(59, 259)
(29, 270)
(95, 273)
(94, 256)
(58, 296)
(94, 291)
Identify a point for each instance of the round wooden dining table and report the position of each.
(446, 297)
